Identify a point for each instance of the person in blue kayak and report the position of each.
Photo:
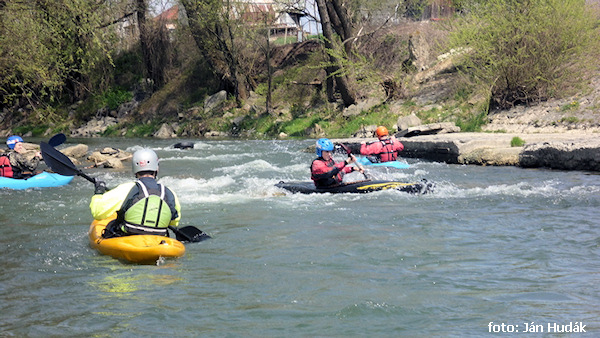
(21, 166)
(142, 207)
(386, 149)
(325, 172)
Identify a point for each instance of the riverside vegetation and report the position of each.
(488, 57)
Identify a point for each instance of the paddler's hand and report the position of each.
(360, 170)
(100, 187)
(350, 159)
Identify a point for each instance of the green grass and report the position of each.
(569, 119)
(517, 142)
(569, 106)
(113, 97)
(263, 125)
(472, 123)
(133, 130)
(283, 40)
(345, 127)
(36, 130)
(298, 126)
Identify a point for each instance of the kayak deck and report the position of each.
(41, 180)
(366, 186)
(142, 249)
(391, 164)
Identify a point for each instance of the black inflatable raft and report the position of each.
(366, 186)
(184, 145)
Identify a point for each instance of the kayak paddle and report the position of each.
(189, 233)
(356, 162)
(57, 139)
(61, 164)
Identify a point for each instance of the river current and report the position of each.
(493, 249)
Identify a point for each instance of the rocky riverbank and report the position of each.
(557, 134)
(564, 151)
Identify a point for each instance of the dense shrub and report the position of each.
(527, 51)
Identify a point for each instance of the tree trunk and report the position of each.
(269, 71)
(341, 80)
(145, 40)
(209, 28)
(330, 84)
(345, 26)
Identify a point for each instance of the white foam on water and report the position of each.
(519, 189)
(212, 158)
(248, 167)
(193, 186)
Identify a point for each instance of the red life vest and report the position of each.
(323, 179)
(6, 169)
(387, 151)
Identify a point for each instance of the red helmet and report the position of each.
(381, 131)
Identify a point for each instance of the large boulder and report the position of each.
(418, 49)
(76, 151)
(405, 122)
(165, 132)
(562, 155)
(429, 129)
(366, 131)
(109, 158)
(95, 127)
(214, 101)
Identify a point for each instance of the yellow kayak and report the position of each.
(143, 249)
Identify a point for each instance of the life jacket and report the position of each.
(6, 169)
(326, 181)
(149, 213)
(387, 152)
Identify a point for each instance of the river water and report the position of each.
(493, 249)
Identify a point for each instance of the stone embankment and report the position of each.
(564, 151)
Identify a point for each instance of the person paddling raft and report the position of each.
(16, 164)
(325, 172)
(143, 206)
(384, 150)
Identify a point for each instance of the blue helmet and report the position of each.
(323, 144)
(12, 140)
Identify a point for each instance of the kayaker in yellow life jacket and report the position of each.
(142, 207)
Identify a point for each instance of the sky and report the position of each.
(308, 24)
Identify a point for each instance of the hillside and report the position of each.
(429, 91)
(402, 74)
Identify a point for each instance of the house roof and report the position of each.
(170, 14)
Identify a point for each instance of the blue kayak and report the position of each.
(391, 164)
(42, 180)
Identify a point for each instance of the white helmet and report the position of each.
(144, 160)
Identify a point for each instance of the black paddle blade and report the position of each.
(190, 234)
(57, 140)
(60, 163)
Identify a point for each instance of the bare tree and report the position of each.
(335, 50)
(213, 27)
(154, 44)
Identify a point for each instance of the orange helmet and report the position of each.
(381, 131)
